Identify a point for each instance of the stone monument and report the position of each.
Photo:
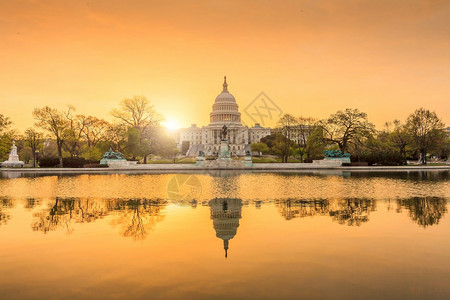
(248, 159)
(224, 160)
(224, 154)
(116, 160)
(13, 159)
(334, 158)
(200, 159)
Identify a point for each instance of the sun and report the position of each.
(171, 124)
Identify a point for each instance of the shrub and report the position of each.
(76, 162)
(53, 162)
(48, 162)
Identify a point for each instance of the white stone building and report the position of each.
(225, 111)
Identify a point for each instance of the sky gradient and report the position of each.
(311, 58)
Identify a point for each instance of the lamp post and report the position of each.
(36, 157)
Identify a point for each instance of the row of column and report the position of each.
(226, 118)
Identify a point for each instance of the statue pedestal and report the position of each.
(200, 162)
(121, 163)
(107, 161)
(248, 161)
(224, 154)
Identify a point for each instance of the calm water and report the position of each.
(225, 236)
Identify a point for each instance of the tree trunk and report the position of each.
(424, 156)
(59, 144)
(342, 148)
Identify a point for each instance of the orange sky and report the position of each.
(312, 58)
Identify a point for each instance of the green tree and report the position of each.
(283, 147)
(345, 127)
(33, 139)
(6, 137)
(401, 140)
(286, 126)
(269, 140)
(161, 144)
(259, 147)
(5, 123)
(135, 146)
(305, 126)
(426, 130)
(116, 137)
(54, 122)
(315, 144)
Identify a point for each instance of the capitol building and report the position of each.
(225, 111)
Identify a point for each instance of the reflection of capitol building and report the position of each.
(225, 214)
(225, 111)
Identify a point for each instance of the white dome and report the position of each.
(225, 108)
(225, 96)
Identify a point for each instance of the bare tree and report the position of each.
(94, 129)
(137, 112)
(74, 133)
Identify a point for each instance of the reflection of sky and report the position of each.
(181, 253)
(174, 253)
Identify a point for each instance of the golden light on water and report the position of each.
(177, 235)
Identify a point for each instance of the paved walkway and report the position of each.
(256, 167)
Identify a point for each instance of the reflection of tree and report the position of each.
(31, 203)
(352, 212)
(63, 212)
(4, 215)
(290, 209)
(137, 216)
(424, 211)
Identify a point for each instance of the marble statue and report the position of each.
(13, 159)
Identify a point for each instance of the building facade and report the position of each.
(225, 111)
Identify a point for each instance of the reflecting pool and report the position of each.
(225, 235)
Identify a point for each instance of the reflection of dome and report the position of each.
(225, 214)
(225, 108)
